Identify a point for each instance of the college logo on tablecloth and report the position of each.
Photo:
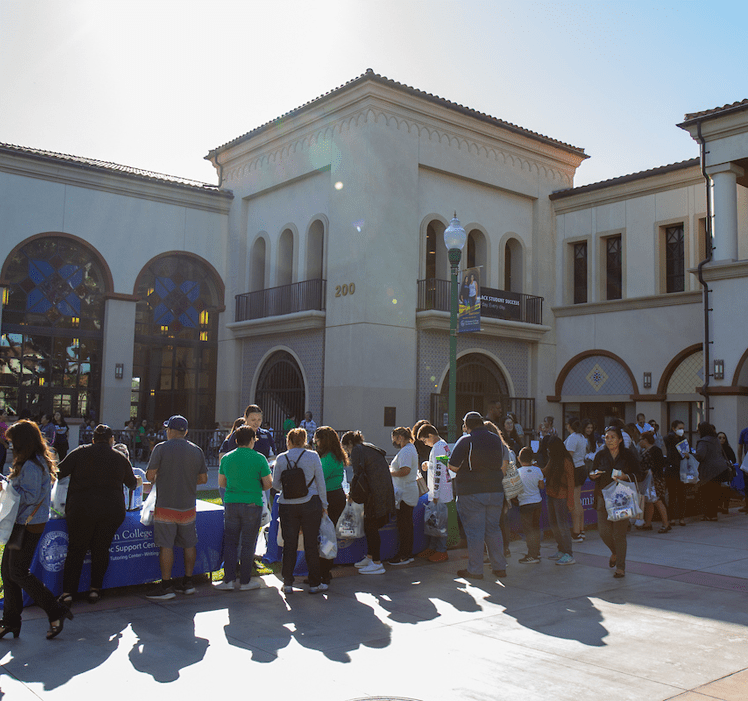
(52, 550)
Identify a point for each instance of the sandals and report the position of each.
(93, 596)
(65, 598)
(612, 561)
(665, 529)
(619, 575)
(55, 630)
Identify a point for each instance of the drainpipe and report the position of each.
(708, 248)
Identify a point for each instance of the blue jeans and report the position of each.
(558, 517)
(437, 543)
(241, 522)
(481, 518)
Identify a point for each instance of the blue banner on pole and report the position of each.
(468, 316)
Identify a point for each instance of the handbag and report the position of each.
(422, 485)
(15, 541)
(360, 488)
(9, 500)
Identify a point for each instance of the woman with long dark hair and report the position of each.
(654, 461)
(577, 444)
(559, 491)
(613, 463)
(334, 461)
(31, 477)
(370, 471)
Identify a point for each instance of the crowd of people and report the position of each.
(488, 472)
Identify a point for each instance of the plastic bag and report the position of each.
(299, 543)
(622, 501)
(435, 515)
(513, 486)
(328, 539)
(265, 518)
(647, 489)
(9, 500)
(149, 506)
(689, 469)
(58, 498)
(351, 521)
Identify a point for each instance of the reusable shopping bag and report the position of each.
(9, 499)
(328, 539)
(689, 469)
(149, 506)
(513, 486)
(58, 497)
(622, 501)
(265, 518)
(647, 489)
(351, 522)
(435, 516)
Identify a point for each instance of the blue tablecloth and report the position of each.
(350, 551)
(133, 554)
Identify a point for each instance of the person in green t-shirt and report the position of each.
(288, 425)
(244, 474)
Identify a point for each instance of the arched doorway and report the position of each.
(280, 391)
(52, 327)
(479, 383)
(176, 341)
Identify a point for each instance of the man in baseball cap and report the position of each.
(176, 466)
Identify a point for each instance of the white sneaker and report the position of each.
(251, 584)
(319, 588)
(224, 586)
(373, 568)
(363, 563)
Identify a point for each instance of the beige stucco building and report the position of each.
(314, 275)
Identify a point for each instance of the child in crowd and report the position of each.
(530, 503)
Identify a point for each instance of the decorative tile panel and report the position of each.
(597, 375)
(688, 375)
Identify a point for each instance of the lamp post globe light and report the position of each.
(454, 240)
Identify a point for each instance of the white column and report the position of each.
(119, 337)
(724, 186)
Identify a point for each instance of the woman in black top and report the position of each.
(61, 435)
(614, 456)
(95, 508)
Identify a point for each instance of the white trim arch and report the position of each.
(286, 275)
(485, 276)
(322, 218)
(251, 285)
(442, 261)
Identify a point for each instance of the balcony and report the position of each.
(277, 301)
(434, 295)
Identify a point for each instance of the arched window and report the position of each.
(280, 390)
(477, 254)
(437, 264)
(257, 266)
(285, 259)
(52, 328)
(315, 244)
(176, 341)
(513, 278)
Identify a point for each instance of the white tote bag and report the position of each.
(9, 500)
(149, 506)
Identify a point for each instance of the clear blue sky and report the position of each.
(157, 83)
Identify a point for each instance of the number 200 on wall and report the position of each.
(345, 290)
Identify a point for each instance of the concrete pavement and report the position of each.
(674, 628)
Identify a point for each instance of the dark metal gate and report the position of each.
(280, 392)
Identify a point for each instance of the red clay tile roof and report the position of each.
(740, 105)
(95, 164)
(370, 75)
(661, 170)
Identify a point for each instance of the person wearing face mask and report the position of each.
(675, 488)
(404, 471)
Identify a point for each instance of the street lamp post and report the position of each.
(454, 240)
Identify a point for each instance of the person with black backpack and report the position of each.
(302, 499)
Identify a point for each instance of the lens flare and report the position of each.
(338, 185)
